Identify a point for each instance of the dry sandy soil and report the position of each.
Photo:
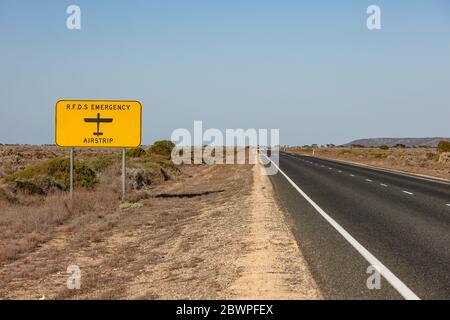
(423, 161)
(212, 232)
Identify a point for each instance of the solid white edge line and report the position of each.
(406, 293)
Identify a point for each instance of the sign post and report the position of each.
(124, 173)
(98, 124)
(71, 173)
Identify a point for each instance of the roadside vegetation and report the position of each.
(420, 160)
(136, 152)
(33, 191)
(51, 175)
(161, 148)
(443, 146)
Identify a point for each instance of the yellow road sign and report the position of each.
(98, 123)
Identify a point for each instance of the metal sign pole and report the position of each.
(124, 174)
(71, 173)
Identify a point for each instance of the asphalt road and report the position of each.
(402, 220)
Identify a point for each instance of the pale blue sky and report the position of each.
(311, 69)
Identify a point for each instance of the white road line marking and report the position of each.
(368, 180)
(383, 270)
(421, 177)
(330, 168)
(352, 175)
(448, 204)
(354, 164)
(383, 185)
(407, 192)
(340, 171)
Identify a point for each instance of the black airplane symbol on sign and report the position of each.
(98, 120)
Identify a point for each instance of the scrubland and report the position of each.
(423, 161)
(34, 182)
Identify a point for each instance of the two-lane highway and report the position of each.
(401, 220)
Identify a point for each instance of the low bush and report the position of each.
(52, 175)
(443, 146)
(136, 152)
(38, 185)
(162, 148)
(4, 195)
(432, 156)
(101, 163)
(148, 176)
(384, 147)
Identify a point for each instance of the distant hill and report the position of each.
(409, 142)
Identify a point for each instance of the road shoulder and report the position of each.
(274, 267)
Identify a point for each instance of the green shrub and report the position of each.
(384, 147)
(443, 146)
(146, 171)
(135, 152)
(432, 156)
(52, 174)
(84, 177)
(99, 164)
(162, 147)
(38, 185)
(4, 195)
